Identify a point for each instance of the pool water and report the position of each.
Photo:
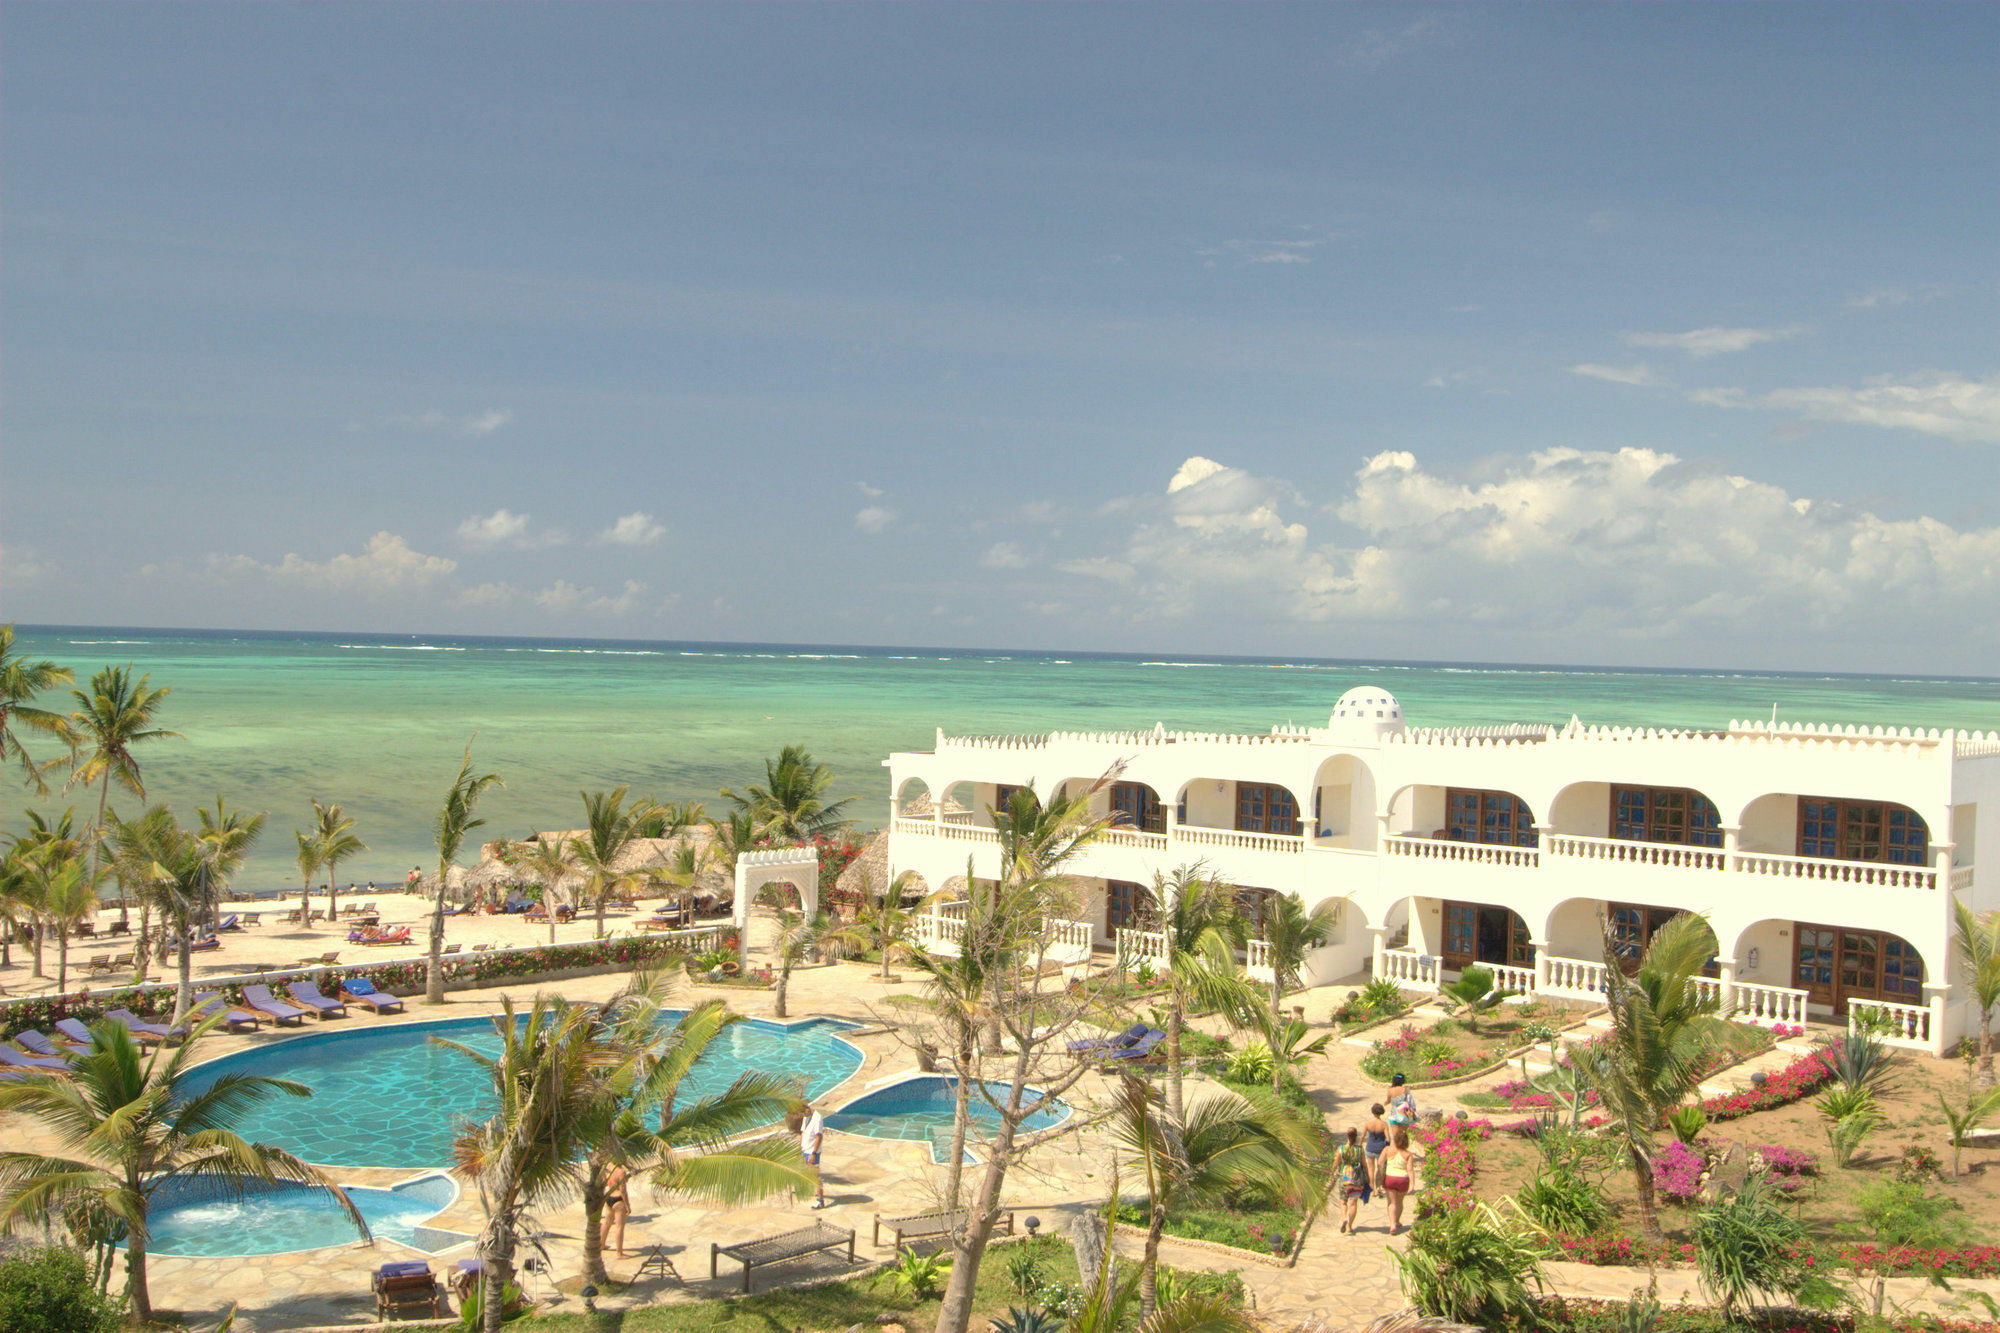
(389, 1097)
(919, 1110)
(195, 1219)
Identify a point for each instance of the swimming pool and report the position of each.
(195, 1219)
(389, 1097)
(921, 1109)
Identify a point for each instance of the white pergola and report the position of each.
(797, 866)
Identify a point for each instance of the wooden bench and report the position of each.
(408, 1295)
(929, 1226)
(783, 1247)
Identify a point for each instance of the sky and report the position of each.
(1628, 334)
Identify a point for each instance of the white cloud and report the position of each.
(1038, 511)
(504, 527)
(475, 424)
(1713, 341)
(1933, 402)
(874, 518)
(385, 565)
(1894, 296)
(634, 529)
(21, 567)
(1565, 543)
(1376, 47)
(1641, 374)
(565, 598)
(872, 492)
(1003, 555)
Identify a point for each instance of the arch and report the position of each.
(1831, 963)
(1342, 804)
(1795, 824)
(794, 866)
(1227, 803)
(905, 798)
(1635, 812)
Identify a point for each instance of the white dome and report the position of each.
(1366, 713)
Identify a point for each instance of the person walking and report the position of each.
(617, 1206)
(1399, 1172)
(1402, 1102)
(1377, 1130)
(1350, 1178)
(812, 1134)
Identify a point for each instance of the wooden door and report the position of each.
(1461, 934)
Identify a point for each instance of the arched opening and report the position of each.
(1627, 812)
(1343, 804)
(1245, 807)
(1483, 933)
(957, 800)
(1834, 965)
(913, 791)
(1136, 806)
(1835, 828)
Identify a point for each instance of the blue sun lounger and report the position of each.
(1105, 1045)
(143, 1031)
(39, 1044)
(1141, 1049)
(260, 999)
(209, 1004)
(74, 1030)
(307, 994)
(360, 990)
(13, 1058)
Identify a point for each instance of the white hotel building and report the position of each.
(1825, 858)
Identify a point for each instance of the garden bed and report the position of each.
(1448, 1051)
(1576, 1314)
(1537, 1092)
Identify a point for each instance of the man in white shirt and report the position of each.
(811, 1134)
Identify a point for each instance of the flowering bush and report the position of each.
(1585, 1314)
(1606, 1250)
(1420, 1055)
(1906, 1260)
(1783, 1161)
(1449, 1164)
(1795, 1082)
(1677, 1171)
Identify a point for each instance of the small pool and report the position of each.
(921, 1109)
(386, 1096)
(195, 1219)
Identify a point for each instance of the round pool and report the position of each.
(390, 1097)
(921, 1110)
(197, 1219)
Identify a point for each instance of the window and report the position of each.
(1633, 928)
(1265, 809)
(1461, 933)
(1834, 966)
(1253, 905)
(1003, 799)
(1863, 831)
(1488, 816)
(1135, 805)
(1125, 904)
(1665, 814)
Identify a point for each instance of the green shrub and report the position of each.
(1564, 1203)
(1903, 1212)
(1745, 1245)
(1687, 1122)
(1469, 1265)
(1381, 996)
(1253, 1064)
(1199, 1045)
(50, 1291)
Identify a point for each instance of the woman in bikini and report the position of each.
(1399, 1170)
(1350, 1178)
(617, 1207)
(1377, 1140)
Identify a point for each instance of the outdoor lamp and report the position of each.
(1034, 1225)
(590, 1299)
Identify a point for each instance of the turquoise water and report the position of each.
(390, 1097)
(378, 722)
(194, 1219)
(921, 1109)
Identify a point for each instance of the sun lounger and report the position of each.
(38, 1044)
(1099, 1045)
(395, 935)
(142, 1030)
(14, 1059)
(307, 994)
(208, 1004)
(453, 948)
(261, 999)
(928, 1226)
(407, 1289)
(253, 918)
(100, 963)
(75, 1031)
(787, 1245)
(204, 942)
(361, 991)
(119, 928)
(123, 960)
(1140, 1050)
(230, 922)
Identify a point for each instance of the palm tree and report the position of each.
(1661, 1022)
(547, 861)
(22, 680)
(334, 832)
(803, 938)
(1106, 1304)
(547, 1078)
(455, 820)
(1292, 932)
(63, 891)
(685, 1149)
(1289, 1041)
(1978, 941)
(17, 911)
(609, 830)
(791, 805)
(882, 921)
(109, 722)
(49, 841)
(1223, 1148)
(309, 862)
(1197, 914)
(131, 1124)
(188, 871)
(730, 837)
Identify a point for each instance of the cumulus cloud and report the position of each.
(1894, 296)
(1641, 374)
(473, 424)
(387, 564)
(1933, 402)
(872, 492)
(1564, 542)
(21, 567)
(1714, 340)
(504, 527)
(565, 598)
(874, 518)
(634, 529)
(1003, 555)
(1038, 511)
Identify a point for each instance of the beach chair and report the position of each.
(453, 948)
(1099, 1045)
(143, 1031)
(329, 959)
(261, 999)
(122, 961)
(14, 1059)
(86, 929)
(230, 922)
(100, 964)
(406, 1290)
(119, 928)
(209, 1004)
(394, 935)
(1139, 1051)
(253, 918)
(481, 948)
(74, 1030)
(361, 991)
(307, 994)
(38, 1044)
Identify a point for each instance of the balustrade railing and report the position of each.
(1465, 853)
(1907, 1025)
(1828, 869)
(1520, 980)
(1671, 855)
(1135, 946)
(1129, 837)
(1067, 939)
(1768, 1006)
(1575, 977)
(1237, 840)
(1410, 970)
(1961, 878)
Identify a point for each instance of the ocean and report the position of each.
(377, 722)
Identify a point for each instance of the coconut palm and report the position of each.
(545, 861)
(186, 871)
(130, 1124)
(62, 890)
(1290, 1042)
(1197, 914)
(1292, 932)
(1224, 1147)
(113, 719)
(455, 819)
(308, 861)
(530, 1152)
(1661, 1023)
(50, 841)
(334, 832)
(684, 1149)
(803, 938)
(1978, 942)
(17, 912)
(791, 806)
(609, 831)
(882, 920)
(730, 837)
(22, 679)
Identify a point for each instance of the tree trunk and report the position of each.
(306, 904)
(1642, 1179)
(1174, 1060)
(955, 1313)
(1985, 1077)
(961, 1115)
(330, 904)
(494, 1275)
(97, 855)
(139, 1311)
(139, 945)
(600, 916)
(434, 974)
(1149, 1272)
(184, 990)
(593, 1221)
(62, 961)
(41, 930)
(784, 980)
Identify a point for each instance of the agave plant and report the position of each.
(1471, 1264)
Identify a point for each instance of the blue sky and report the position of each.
(1637, 334)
